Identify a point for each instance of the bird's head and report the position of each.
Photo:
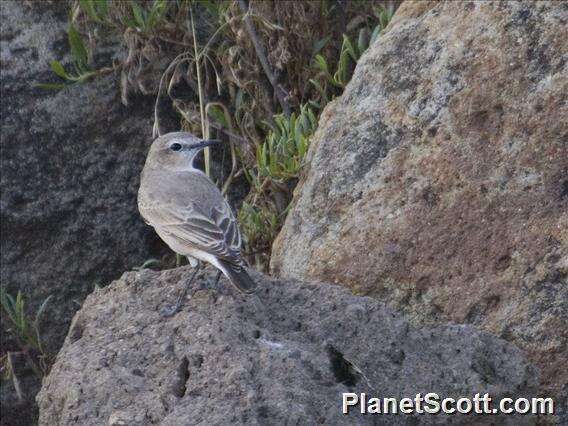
(176, 151)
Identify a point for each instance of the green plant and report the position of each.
(281, 156)
(347, 57)
(96, 10)
(329, 81)
(80, 70)
(259, 225)
(148, 264)
(259, 72)
(141, 20)
(145, 20)
(384, 15)
(8, 373)
(26, 332)
(279, 160)
(141, 16)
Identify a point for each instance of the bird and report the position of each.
(188, 212)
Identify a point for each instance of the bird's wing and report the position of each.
(214, 231)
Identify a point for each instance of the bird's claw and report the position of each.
(169, 311)
(210, 285)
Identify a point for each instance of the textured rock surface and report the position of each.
(70, 166)
(439, 180)
(70, 162)
(281, 357)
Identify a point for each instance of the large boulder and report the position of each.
(70, 165)
(438, 182)
(281, 356)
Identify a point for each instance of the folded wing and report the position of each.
(214, 232)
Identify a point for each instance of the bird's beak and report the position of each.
(206, 143)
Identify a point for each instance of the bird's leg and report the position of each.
(211, 284)
(168, 312)
(215, 285)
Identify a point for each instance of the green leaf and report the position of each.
(218, 115)
(319, 45)
(158, 10)
(58, 69)
(149, 264)
(319, 88)
(303, 147)
(291, 123)
(362, 41)
(348, 46)
(19, 311)
(96, 10)
(7, 301)
(315, 104)
(239, 99)
(340, 76)
(298, 141)
(89, 8)
(211, 6)
(102, 7)
(138, 13)
(78, 49)
(41, 309)
(385, 18)
(321, 63)
(375, 34)
(51, 86)
(129, 22)
(19, 307)
(313, 120)
(84, 76)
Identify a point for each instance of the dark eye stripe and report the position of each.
(175, 147)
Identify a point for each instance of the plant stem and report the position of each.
(15, 379)
(261, 54)
(229, 179)
(177, 60)
(204, 131)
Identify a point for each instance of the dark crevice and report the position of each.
(503, 263)
(180, 385)
(564, 190)
(341, 368)
(76, 331)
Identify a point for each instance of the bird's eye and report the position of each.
(175, 147)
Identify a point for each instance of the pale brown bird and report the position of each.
(188, 211)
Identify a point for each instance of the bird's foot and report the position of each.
(169, 311)
(214, 284)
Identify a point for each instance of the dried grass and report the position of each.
(246, 64)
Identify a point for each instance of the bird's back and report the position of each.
(190, 209)
(177, 189)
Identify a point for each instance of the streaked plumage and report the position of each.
(188, 211)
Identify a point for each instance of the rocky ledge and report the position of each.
(283, 355)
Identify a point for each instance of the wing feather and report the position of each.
(216, 233)
(188, 211)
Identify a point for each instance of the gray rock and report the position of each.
(70, 163)
(70, 166)
(283, 356)
(438, 182)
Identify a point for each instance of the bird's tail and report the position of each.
(238, 277)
